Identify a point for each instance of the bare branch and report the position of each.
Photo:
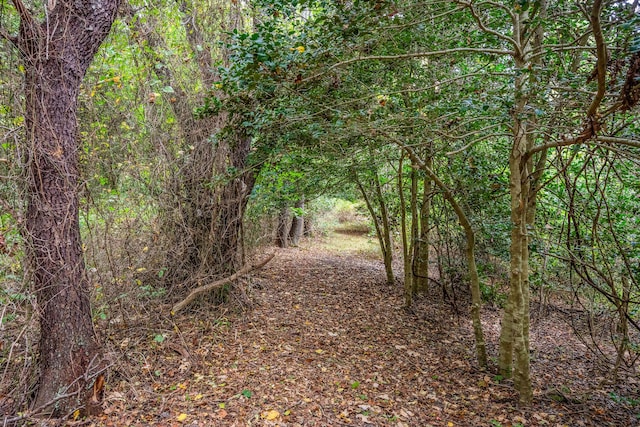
(421, 89)
(468, 134)
(422, 21)
(219, 283)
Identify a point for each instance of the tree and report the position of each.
(209, 182)
(56, 54)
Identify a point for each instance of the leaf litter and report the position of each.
(327, 342)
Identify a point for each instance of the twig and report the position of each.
(219, 283)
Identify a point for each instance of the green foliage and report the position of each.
(625, 400)
(153, 292)
(492, 295)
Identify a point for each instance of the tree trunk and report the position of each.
(297, 223)
(415, 226)
(514, 335)
(211, 187)
(386, 233)
(421, 262)
(284, 225)
(406, 240)
(474, 281)
(381, 223)
(308, 226)
(55, 64)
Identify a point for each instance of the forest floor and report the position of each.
(326, 342)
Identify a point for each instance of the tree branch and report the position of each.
(484, 28)
(620, 141)
(22, 10)
(219, 283)
(413, 55)
(584, 137)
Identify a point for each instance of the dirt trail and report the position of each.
(328, 343)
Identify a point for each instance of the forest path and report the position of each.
(328, 343)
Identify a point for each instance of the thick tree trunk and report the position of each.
(229, 209)
(308, 226)
(55, 64)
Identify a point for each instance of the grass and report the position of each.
(351, 242)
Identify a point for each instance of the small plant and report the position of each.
(491, 295)
(149, 291)
(624, 399)
(355, 385)
(7, 318)
(222, 322)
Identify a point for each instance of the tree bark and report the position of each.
(415, 227)
(421, 261)
(56, 56)
(514, 334)
(406, 240)
(284, 225)
(297, 223)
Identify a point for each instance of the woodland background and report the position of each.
(490, 148)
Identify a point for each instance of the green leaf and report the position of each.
(246, 393)
(159, 338)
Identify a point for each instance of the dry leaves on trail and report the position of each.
(329, 344)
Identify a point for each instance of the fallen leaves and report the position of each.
(270, 415)
(338, 351)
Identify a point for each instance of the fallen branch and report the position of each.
(219, 283)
